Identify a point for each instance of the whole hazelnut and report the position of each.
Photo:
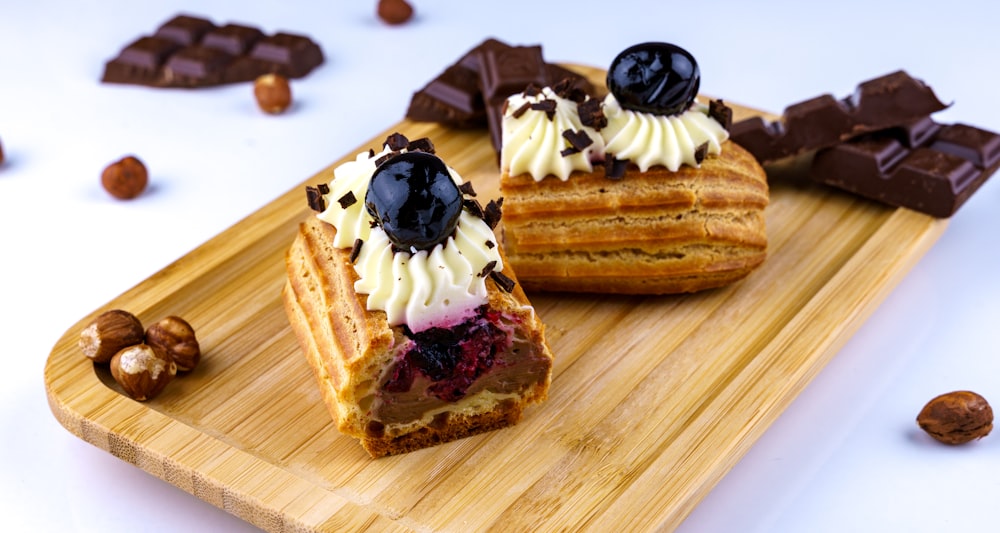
(108, 333)
(957, 417)
(175, 337)
(273, 93)
(142, 371)
(126, 178)
(394, 11)
(1, 154)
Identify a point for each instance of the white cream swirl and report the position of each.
(439, 287)
(436, 288)
(533, 142)
(646, 139)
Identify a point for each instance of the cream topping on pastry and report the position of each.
(426, 289)
(533, 140)
(422, 289)
(646, 139)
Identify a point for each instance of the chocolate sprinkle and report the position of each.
(502, 281)
(614, 169)
(356, 249)
(487, 268)
(466, 188)
(591, 114)
(519, 112)
(722, 113)
(422, 144)
(701, 152)
(347, 200)
(579, 140)
(492, 213)
(474, 207)
(397, 141)
(547, 105)
(314, 197)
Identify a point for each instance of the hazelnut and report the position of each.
(1, 154)
(273, 93)
(142, 371)
(394, 11)
(108, 333)
(175, 337)
(957, 417)
(126, 178)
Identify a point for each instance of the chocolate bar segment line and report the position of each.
(934, 170)
(891, 100)
(189, 51)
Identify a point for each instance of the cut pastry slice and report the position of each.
(441, 342)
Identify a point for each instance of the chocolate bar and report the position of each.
(924, 166)
(891, 100)
(188, 51)
(454, 97)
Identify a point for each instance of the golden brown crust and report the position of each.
(348, 346)
(649, 233)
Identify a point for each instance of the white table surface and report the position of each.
(846, 456)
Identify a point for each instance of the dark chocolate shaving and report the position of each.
(532, 90)
(371, 153)
(356, 249)
(722, 113)
(502, 281)
(614, 169)
(701, 152)
(396, 141)
(347, 200)
(487, 268)
(386, 157)
(493, 212)
(490, 244)
(569, 89)
(422, 144)
(579, 140)
(466, 188)
(519, 112)
(474, 208)
(546, 105)
(314, 197)
(591, 114)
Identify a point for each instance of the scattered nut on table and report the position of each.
(108, 333)
(175, 337)
(273, 93)
(1, 153)
(957, 417)
(142, 371)
(126, 178)
(394, 11)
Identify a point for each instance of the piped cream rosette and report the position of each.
(421, 289)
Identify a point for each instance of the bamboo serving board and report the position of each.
(653, 399)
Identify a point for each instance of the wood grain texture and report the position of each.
(653, 399)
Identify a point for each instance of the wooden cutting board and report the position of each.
(653, 399)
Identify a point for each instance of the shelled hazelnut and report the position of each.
(273, 93)
(175, 337)
(126, 178)
(108, 333)
(142, 371)
(1, 153)
(956, 417)
(394, 11)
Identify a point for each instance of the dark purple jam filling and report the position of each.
(452, 358)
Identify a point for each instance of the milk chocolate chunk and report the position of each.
(923, 166)
(188, 51)
(888, 101)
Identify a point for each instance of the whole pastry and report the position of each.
(640, 192)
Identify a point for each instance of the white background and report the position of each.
(846, 456)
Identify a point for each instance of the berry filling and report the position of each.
(451, 358)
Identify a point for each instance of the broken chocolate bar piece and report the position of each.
(503, 72)
(923, 166)
(884, 102)
(188, 51)
(454, 99)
